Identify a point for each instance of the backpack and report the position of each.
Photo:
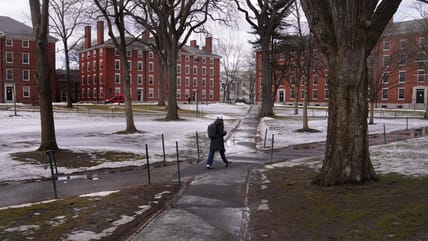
(212, 130)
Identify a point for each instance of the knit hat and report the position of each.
(219, 117)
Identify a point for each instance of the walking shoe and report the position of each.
(226, 164)
(209, 166)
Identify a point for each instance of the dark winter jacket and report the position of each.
(217, 143)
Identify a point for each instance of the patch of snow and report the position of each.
(99, 194)
(27, 205)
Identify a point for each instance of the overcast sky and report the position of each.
(20, 11)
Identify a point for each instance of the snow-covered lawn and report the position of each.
(95, 132)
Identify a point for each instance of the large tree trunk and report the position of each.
(43, 74)
(346, 32)
(371, 121)
(347, 158)
(130, 126)
(161, 101)
(267, 104)
(172, 113)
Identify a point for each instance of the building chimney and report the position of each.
(193, 44)
(87, 37)
(100, 32)
(208, 44)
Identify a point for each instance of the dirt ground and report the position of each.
(285, 205)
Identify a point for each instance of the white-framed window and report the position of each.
(9, 42)
(25, 91)
(385, 77)
(211, 60)
(421, 76)
(95, 65)
(204, 82)
(292, 94)
(187, 81)
(422, 41)
(187, 94)
(204, 94)
(88, 67)
(129, 65)
(25, 44)
(94, 53)
(117, 90)
(9, 74)
(187, 69)
(88, 91)
(101, 64)
(101, 92)
(187, 58)
(315, 80)
(151, 67)
(151, 93)
(128, 53)
(94, 77)
(211, 71)
(402, 77)
(117, 64)
(386, 60)
(83, 79)
(211, 83)
(151, 55)
(195, 70)
(204, 60)
(178, 93)
(140, 79)
(139, 53)
(140, 66)
(151, 79)
(101, 79)
(178, 81)
(386, 45)
(9, 57)
(315, 94)
(204, 71)
(95, 92)
(326, 94)
(26, 75)
(101, 52)
(195, 82)
(178, 68)
(211, 94)
(384, 93)
(401, 93)
(88, 80)
(117, 79)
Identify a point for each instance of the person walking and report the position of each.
(216, 133)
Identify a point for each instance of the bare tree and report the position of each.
(266, 19)
(346, 32)
(40, 20)
(113, 11)
(173, 22)
(66, 16)
(231, 63)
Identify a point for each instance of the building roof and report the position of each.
(10, 26)
(411, 26)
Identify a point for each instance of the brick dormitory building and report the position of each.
(18, 62)
(397, 70)
(198, 70)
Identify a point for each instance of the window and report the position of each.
(88, 80)
(101, 54)
(140, 53)
(140, 66)
(204, 71)
(422, 41)
(384, 94)
(421, 76)
(88, 67)
(151, 79)
(101, 64)
(211, 71)
(26, 75)
(195, 59)
(403, 43)
(117, 64)
(178, 68)
(386, 45)
(9, 42)
(204, 82)
(151, 54)
(83, 79)
(94, 53)
(187, 58)
(88, 91)
(187, 69)
(195, 70)
(178, 94)
(95, 79)
(403, 59)
(83, 94)
(402, 77)
(151, 93)
(195, 82)
(101, 79)
(204, 60)
(292, 95)
(314, 94)
(204, 94)
(187, 81)
(385, 78)
(9, 57)
(25, 44)
(83, 68)
(211, 61)
(386, 60)
(211, 94)
(95, 65)
(9, 74)
(326, 94)
(401, 93)
(211, 83)
(151, 67)
(139, 79)
(315, 80)
(129, 65)
(117, 90)
(178, 81)
(292, 80)
(95, 92)
(128, 53)
(117, 79)
(101, 92)
(25, 91)
(186, 94)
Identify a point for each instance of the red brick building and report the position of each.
(198, 70)
(397, 71)
(18, 62)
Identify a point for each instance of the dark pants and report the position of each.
(211, 157)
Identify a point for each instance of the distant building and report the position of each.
(397, 71)
(61, 85)
(198, 71)
(18, 62)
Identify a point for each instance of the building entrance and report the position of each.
(420, 96)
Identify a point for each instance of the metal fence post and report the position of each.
(407, 123)
(148, 164)
(197, 145)
(271, 150)
(163, 147)
(384, 133)
(264, 144)
(52, 173)
(178, 163)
